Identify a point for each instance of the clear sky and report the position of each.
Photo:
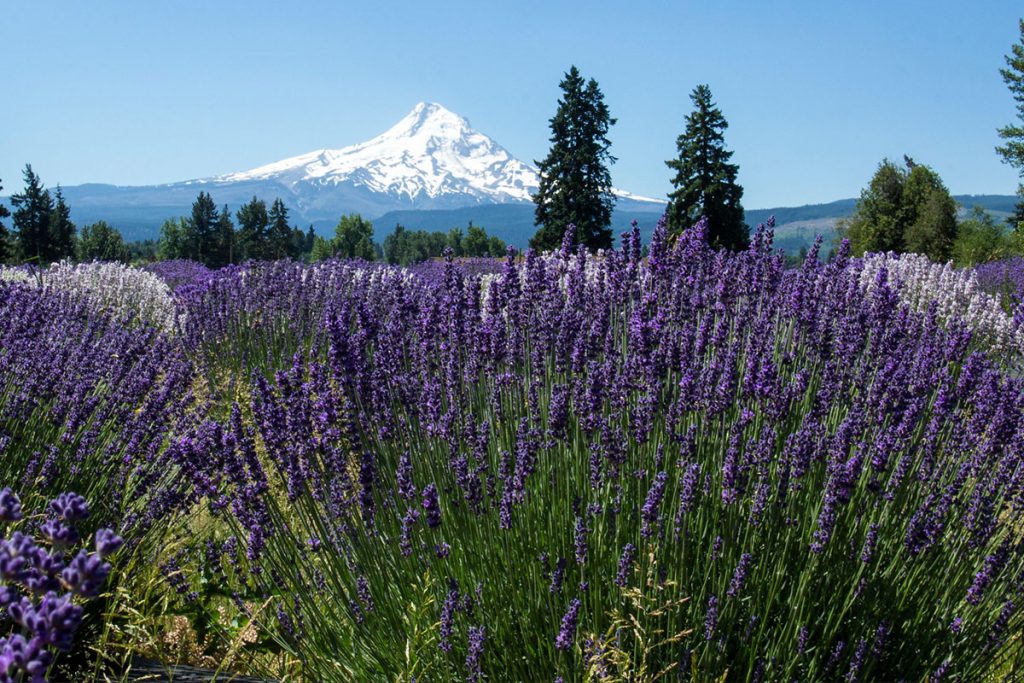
(816, 93)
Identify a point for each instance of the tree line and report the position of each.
(43, 233)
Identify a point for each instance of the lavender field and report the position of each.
(674, 464)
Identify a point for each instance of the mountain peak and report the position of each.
(430, 118)
(431, 156)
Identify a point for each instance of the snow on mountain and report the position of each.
(431, 152)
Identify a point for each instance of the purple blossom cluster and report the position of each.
(181, 273)
(43, 583)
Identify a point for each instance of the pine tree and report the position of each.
(1013, 151)
(279, 233)
(6, 246)
(201, 228)
(32, 209)
(253, 222)
(61, 229)
(705, 182)
(224, 232)
(575, 184)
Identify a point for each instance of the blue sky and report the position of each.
(816, 93)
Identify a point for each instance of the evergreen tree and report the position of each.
(224, 231)
(201, 235)
(32, 209)
(575, 184)
(903, 210)
(279, 233)
(705, 182)
(6, 246)
(1012, 151)
(101, 242)
(61, 229)
(253, 223)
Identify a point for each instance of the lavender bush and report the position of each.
(116, 289)
(45, 582)
(696, 463)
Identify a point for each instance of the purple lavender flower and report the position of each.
(580, 537)
(85, 574)
(567, 633)
(70, 507)
(363, 591)
(451, 604)
(711, 618)
(739, 576)
(431, 506)
(10, 505)
(650, 513)
(477, 635)
(625, 565)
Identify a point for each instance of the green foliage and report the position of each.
(32, 209)
(143, 251)
(405, 247)
(173, 242)
(903, 210)
(209, 236)
(575, 184)
(980, 240)
(705, 182)
(353, 238)
(101, 242)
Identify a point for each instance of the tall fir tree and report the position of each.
(6, 246)
(62, 230)
(1012, 151)
(279, 233)
(202, 230)
(253, 222)
(705, 182)
(575, 183)
(32, 209)
(224, 231)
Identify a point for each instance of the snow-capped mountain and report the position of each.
(431, 153)
(429, 169)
